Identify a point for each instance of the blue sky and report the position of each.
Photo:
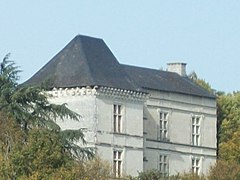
(205, 34)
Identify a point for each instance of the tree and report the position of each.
(230, 150)
(201, 82)
(30, 108)
(229, 126)
(9, 134)
(157, 175)
(229, 115)
(27, 104)
(44, 157)
(223, 170)
(43, 154)
(150, 174)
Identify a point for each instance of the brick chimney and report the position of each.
(179, 68)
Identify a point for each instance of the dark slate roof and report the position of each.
(165, 81)
(85, 61)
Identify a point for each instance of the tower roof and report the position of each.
(85, 61)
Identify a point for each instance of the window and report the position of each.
(117, 163)
(163, 126)
(117, 118)
(163, 164)
(196, 130)
(196, 165)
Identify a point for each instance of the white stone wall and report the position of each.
(178, 162)
(130, 140)
(96, 112)
(132, 158)
(139, 137)
(85, 106)
(180, 109)
(180, 157)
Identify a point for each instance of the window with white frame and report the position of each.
(196, 130)
(196, 165)
(117, 163)
(163, 126)
(117, 118)
(163, 164)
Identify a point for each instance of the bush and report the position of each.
(150, 175)
(95, 169)
(188, 176)
(223, 170)
(157, 175)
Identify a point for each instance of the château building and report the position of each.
(137, 118)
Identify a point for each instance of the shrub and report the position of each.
(223, 170)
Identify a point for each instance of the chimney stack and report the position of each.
(179, 68)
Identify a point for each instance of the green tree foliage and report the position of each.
(44, 157)
(201, 82)
(157, 175)
(224, 170)
(96, 169)
(230, 150)
(10, 133)
(229, 126)
(150, 174)
(229, 115)
(30, 108)
(43, 154)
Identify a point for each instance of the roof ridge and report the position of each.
(148, 68)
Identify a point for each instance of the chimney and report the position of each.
(179, 68)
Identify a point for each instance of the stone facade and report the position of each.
(179, 143)
(145, 137)
(96, 107)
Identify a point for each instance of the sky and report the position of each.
(205, 34)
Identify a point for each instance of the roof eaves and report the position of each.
(178, 92)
